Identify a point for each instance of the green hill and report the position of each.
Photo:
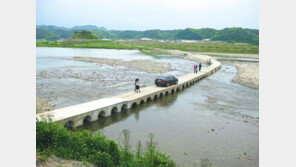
(83, 35)
(103, 34)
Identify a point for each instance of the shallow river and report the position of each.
(65, 82)
(214, 121)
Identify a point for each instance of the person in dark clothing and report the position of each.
(199, 66)
(137, 86)
(210, 62)
(136, 80)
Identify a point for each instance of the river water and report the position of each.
(214, 121)
(65, 82)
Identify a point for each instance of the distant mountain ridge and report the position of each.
(89, 28)
(232, 35)
(84, 27)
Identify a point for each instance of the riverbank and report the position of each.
(42, 105)
(54, 161)
(248, 73)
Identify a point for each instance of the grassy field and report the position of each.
(150, 47)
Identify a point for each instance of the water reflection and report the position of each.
(103, 122)
(205, 163)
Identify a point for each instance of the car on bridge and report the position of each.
(166, 80)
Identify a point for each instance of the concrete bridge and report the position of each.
(84, 113)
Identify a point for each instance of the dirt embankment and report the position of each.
(54, 161)
(248, 73)
(143, 65)
(42, 105)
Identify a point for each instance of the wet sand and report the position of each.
(143, 65)
(248, 73)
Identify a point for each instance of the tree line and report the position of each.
(232, 35)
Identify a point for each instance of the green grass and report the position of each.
(150, 47)
(84, 146)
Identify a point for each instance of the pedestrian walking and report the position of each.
(199, 66)
(195, 69)
(137, 84)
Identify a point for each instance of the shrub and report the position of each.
(101, 159)
(52, 138)
(76, 145)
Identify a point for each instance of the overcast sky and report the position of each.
(149, 14)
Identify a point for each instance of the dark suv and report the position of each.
(166, 80)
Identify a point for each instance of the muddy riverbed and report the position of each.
(215, 121)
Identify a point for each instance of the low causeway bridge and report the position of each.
(78, 115)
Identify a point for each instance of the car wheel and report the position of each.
(167, 84)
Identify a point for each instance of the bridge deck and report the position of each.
(79, 109)
(153, 89)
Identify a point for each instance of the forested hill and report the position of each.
(55, 32)
(233, 35)
(83, 35)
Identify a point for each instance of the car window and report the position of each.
(162, 77)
